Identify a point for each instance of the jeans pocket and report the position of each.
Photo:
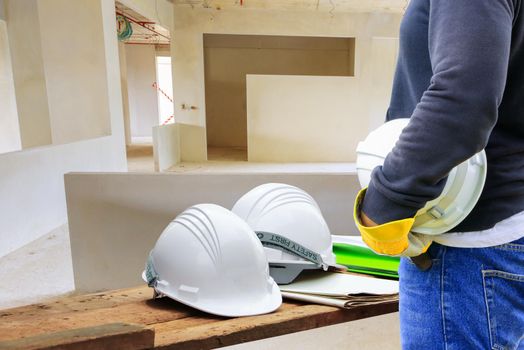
(503, 294)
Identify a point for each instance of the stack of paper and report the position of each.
(351, 252)
(340, 289)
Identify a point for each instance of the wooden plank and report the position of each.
(142, 312)
(77, 303)
(176, 326)
(110, 336)
(289, 319)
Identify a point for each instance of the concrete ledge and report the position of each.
(115, 218)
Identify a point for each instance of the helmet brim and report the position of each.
(236, 307)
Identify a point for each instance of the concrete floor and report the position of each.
(253, 167)
(227, 160)
(38, 271)
(140, 158)
(226, 154)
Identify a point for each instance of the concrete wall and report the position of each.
(142, 97)
(229, 58)
(312, 119)
(115, 219)
(25, 44)
(192, 23)
(380, 68)
(305, 119)
(166, 146)
(32, 198)
(9, 126)
(125, 95)
(54, 109)
(78, 108)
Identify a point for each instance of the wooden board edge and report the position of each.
(242, 330)
(108, 336)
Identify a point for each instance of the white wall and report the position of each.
(229, 58)
(314, 119)
(129, 211)
(142, 97)
(191, 23)
(304, 118)
(32, 199)
(9, 126)
(78, 107)
(380, 69)
(125, 97)
(25, 44)
(166, 146)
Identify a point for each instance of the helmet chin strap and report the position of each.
(285, 272)
(150, 273)
(270, 239)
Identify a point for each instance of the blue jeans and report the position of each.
(471, 298)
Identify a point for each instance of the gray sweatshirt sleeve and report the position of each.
(469, 45)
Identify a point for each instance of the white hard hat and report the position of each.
(209, 259)
(460, 194)
(291, 227)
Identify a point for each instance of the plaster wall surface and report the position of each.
(166, 146)
(125, 94)
(25, 45)
(9, 126)
(304, 118)
(78, 107)
(380, 68)
(142, 97)
(192, 22)
(229, 58)
(32, 196)
(130, 211)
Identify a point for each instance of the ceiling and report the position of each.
(317, 5)
(145, 31)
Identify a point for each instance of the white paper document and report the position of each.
(340, 285)
(347, 302)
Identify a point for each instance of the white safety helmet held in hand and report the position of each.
(210, 259)
(291, 227)
(461, 192)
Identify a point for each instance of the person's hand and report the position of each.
(366, 221)
(391, 238)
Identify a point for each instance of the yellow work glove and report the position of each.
(391, 238)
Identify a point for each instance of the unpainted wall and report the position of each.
(9, 126)
(32, 197)
(142, 96)
(229, 58)
(192, 22)
(304, 119)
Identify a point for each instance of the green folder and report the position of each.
(364, 260)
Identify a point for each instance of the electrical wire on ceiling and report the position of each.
(124, 28)
(152, 35)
